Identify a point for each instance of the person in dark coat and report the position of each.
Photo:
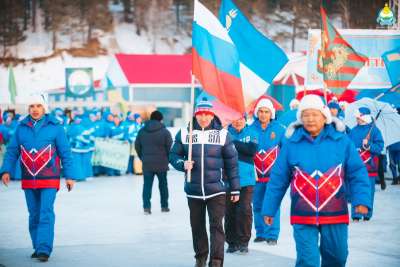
(152, 145)
(213, 152)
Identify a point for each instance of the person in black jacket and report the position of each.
(213, 152)
(152, 145)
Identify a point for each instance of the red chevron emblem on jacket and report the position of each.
(264, 160)
(34, 161)
(365, 155)
(318, 188)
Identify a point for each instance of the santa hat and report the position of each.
(265, 103)
(364, 114)
(38, 99)
(204, 106)
(313, 102)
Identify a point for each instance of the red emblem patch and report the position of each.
(34, 161)
(323, 185)
(264, 160)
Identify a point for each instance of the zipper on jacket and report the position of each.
(202, 165)
(34, 165)
(317, 204)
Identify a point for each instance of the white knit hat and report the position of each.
(313, 102)
(38, 98)
(265, 103)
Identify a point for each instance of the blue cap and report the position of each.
(334, 105)
(364, 111)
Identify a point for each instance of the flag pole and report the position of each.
(189, 173)
(393, 89)
(325, 93)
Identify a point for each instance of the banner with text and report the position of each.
(111, 153)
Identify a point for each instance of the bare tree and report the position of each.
(11, 20)
(345, 8)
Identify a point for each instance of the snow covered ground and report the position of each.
(101, 223)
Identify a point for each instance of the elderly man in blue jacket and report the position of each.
(315, 161)
(213, 153)
(41, 142)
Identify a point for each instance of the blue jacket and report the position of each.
(117, 132)
(288, 117)
(80, 138)
(316, 170)
(131, 131)
(394, 147)
(246, 145)
(269, 142)
(41, 146)
(374, 149)
(213, 152)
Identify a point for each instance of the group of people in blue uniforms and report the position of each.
(325, 164)
(82, 127)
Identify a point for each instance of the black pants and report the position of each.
(148, 178)
(239, 218)
(216, 209)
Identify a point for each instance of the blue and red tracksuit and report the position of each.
(269, 140)
(369, 155)
(316, 170)
(41, 145)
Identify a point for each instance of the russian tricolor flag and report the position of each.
(216, 63)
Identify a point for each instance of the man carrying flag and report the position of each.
(215, 64)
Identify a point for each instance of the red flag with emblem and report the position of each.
(337, 60)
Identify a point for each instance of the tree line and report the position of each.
(62, 17)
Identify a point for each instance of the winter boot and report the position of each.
(201, 262)
(42, 257)
(259, 239)
(215, 263)
(243, 249)
(232, 248)
(272, 242)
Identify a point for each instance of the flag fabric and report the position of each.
(215, 59)
(392, 63)
(12, 86)
(262, 58)
(337, 61)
